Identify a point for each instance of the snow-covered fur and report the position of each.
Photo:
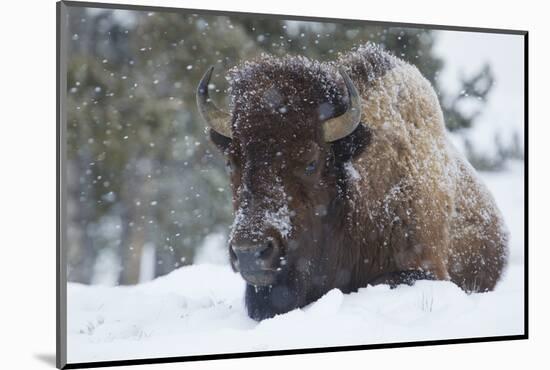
(391, 203)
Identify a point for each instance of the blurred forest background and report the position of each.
(147, 193)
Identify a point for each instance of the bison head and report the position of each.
(286, 140)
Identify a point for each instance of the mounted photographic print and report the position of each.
(234, 184)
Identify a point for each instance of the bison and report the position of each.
(343, 177)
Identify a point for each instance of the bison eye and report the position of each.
(311, 167)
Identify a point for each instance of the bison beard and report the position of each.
(341, 182)
(267, 301)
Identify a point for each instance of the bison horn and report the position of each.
(343, 125)
(217, 119)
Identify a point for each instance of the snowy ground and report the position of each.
(199, 309)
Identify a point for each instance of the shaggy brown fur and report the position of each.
(391, 203)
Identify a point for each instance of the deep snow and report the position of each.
(199, 309)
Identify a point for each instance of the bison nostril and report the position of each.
(264, 251)
(232, 253)
(260, 251)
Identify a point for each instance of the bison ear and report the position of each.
(221, 142)
(352, 145)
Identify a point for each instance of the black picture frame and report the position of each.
(61, 268)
